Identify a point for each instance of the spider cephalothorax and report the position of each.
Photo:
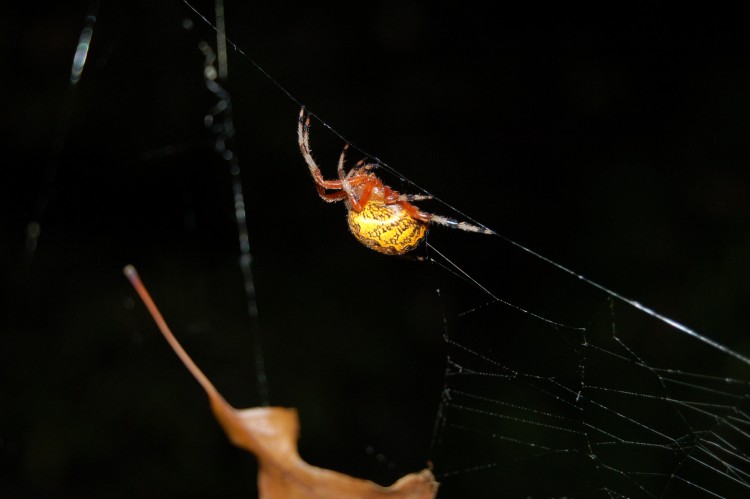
(379, 217)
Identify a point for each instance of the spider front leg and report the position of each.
(303, 138)
(331, 197)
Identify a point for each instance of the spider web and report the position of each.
(511, 375)
(611, 406)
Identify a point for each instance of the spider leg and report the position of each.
(332, 197)
(415, 197)
(368, 183)
(455, 224)
(414, 211)
(303, 137)
(393, 197)
(407, 197)
(345, 184)
(425, 217)
(357, 170)
(360, 166)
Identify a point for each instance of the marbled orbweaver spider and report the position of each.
(379, 217)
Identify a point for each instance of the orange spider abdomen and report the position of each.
(386, 228)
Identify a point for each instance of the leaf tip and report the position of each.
(130, 272)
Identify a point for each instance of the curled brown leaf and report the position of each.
(271, 434)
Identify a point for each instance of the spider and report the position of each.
(379, 217)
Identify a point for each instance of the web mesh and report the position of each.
(614, 408)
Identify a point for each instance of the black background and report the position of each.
(612, 140)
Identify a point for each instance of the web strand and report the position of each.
(50, 173)
(221, 121)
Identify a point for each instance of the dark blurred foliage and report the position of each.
(612, 140)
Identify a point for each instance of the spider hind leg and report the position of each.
(455, 224)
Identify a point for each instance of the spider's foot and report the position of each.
(416, 197)
(304, 119)
(465, 226)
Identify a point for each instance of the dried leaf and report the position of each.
(271, 434)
